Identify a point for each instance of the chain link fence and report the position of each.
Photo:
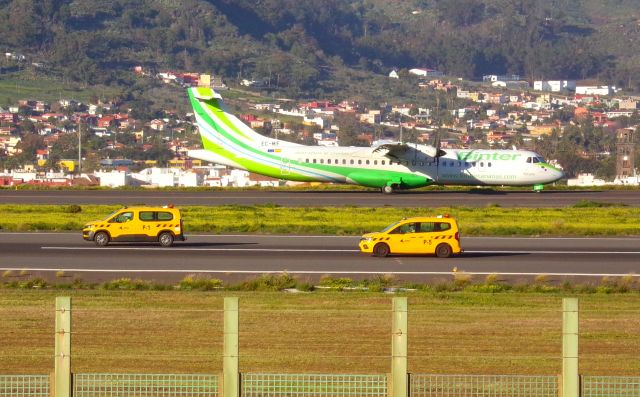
(610, 386)
(144, 385)
(313, 385)
(24, 385)
(423, 385)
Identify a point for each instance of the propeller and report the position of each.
(435, 150)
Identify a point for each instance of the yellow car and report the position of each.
(130, 224)
(423, 235)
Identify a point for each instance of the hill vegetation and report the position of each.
(315, 48)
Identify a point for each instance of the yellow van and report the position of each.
(130, 224)
(422, 235)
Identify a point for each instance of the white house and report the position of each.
(426, 72)
(114, 178)
(595, 90)
(554, 85)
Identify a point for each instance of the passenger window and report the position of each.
(359, 161)
(307, 160)
(489, 164)
(321, 161)
(444, 163)
(328, 161)
(375, 162)
(123, 217)
(406, 228)
(382, 162)
(146, 216)
(314, 161)
(344, 161)
(165, 216)
(441, 226)
(481, 164)
(351, 161)
(367, 162)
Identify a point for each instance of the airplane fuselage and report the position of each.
(229, 141)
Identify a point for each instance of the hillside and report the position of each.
(316, 48)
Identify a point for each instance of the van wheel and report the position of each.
(165, 239)
(443, 251)
(381, 250)
(101, 239)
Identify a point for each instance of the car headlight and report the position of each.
(366, 239)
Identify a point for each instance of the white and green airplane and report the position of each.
(392, 166)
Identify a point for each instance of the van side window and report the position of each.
(165, 216)
(146, 216)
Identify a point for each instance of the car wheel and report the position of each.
(101, 239)
(381, 250)
(443, 251)
(165, 239)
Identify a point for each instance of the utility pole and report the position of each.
(79, 146)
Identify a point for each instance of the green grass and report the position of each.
(16, 86)
(450, 332)
(581, 220)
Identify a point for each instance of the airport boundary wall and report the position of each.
(397, 383)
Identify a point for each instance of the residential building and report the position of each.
(554, 85)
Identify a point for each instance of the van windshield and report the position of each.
(391, 226)
(110, 215)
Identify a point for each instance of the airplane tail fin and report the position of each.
(217, 126)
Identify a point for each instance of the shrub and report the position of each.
(72, 209)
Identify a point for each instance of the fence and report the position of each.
(397, 383)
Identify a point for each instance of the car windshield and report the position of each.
(391, 226)
(110, 215)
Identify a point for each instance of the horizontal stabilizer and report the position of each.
(205, 93)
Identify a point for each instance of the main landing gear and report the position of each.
(388, 189)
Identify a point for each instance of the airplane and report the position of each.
(388, 166)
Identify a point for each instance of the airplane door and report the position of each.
(285, 165)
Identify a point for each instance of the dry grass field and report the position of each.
(319, 332)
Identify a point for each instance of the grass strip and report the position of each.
(450, 332)
(583, 219)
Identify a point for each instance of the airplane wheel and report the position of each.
(443, 251)
(387, 189)
(381, 250)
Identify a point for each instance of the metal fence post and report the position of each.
(62, 369)
(570, 375)
(399, 378)
(231, 375)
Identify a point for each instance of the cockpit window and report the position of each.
(535, 160)
(541, 159)
(528, 159)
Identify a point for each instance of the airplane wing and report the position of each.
(393, 150)
(396, 150)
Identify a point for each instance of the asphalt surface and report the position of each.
(238, 257)
(470, 198)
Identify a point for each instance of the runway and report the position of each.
(311, 198)
(237, 257)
